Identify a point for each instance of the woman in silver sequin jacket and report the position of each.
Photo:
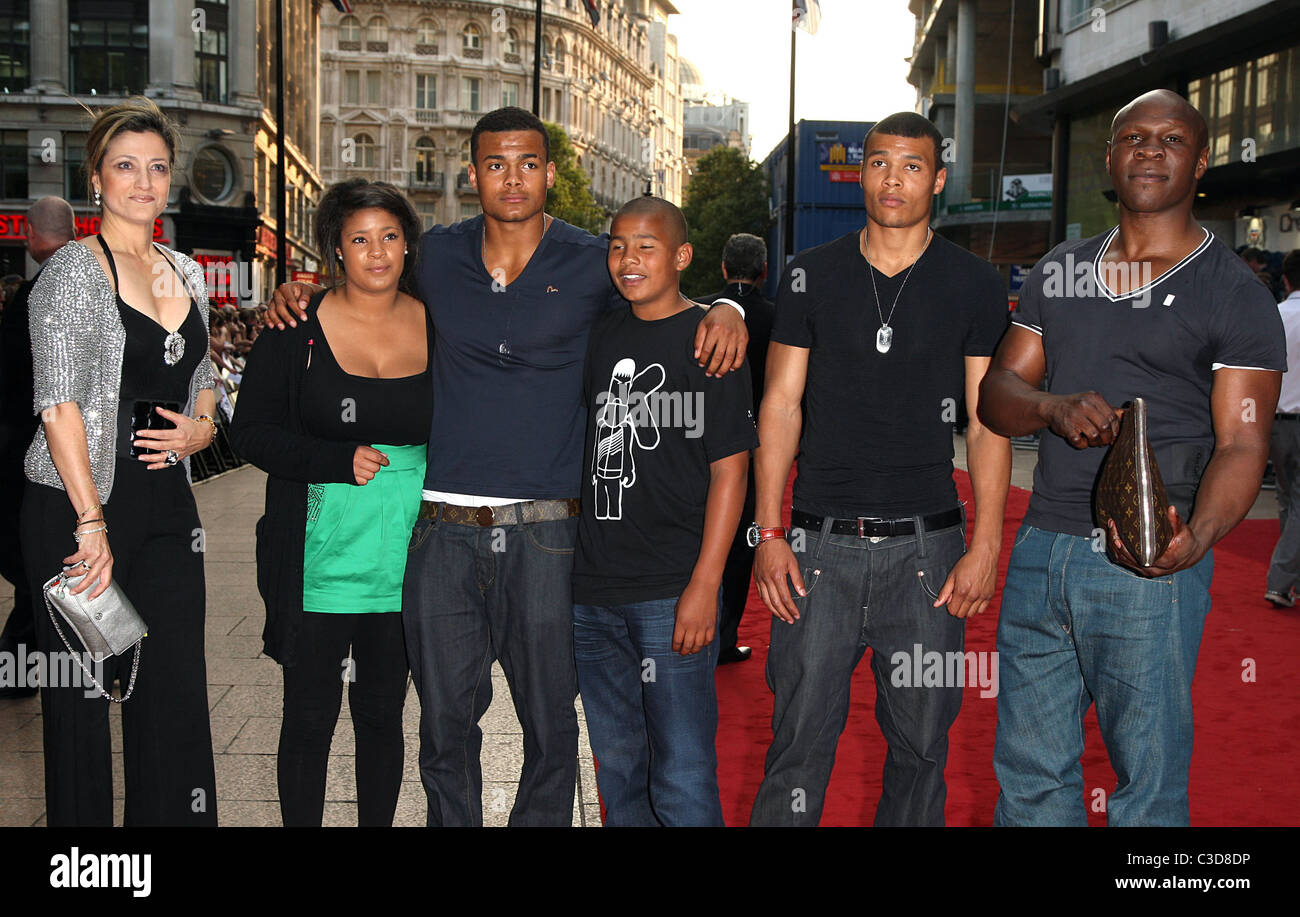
(104, 361)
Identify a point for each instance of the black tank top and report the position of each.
(346, 408)
(146, 373)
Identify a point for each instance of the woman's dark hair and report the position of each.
(346, 198)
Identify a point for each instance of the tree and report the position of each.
(570, 198)
(727, 194)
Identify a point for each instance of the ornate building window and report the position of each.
(365, 151)
(377, 34)
(426, 37)
(349, 34)
(471, 41)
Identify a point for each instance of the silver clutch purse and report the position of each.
(106, 626)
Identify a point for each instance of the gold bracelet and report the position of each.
(89, 509)
(208, 419)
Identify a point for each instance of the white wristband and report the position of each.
(731, 302)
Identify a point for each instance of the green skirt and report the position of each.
(354, 556)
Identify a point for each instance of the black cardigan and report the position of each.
(267, 431)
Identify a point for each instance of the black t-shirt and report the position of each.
(1162, 342)
(360, 409)
(655, 423)
(507, 369)
(877, 427)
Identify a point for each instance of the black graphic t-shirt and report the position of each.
(654, 424)
(1163, 342)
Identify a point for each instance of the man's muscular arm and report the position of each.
(1011, 404)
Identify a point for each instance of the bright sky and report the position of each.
(742, 47)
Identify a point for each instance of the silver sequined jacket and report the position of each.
(77, 345)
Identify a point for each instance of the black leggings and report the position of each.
(376, 672)
(157, 548)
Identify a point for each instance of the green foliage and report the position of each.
(727, 195)
(570, 198)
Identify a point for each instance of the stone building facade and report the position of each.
(403, 83)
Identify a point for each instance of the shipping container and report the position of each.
(827, 196)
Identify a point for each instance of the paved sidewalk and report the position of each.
(244, 696)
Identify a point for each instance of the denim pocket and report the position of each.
(558, 537)
(810, 577)
(419, 534)
(1025, 531)
(943, 550)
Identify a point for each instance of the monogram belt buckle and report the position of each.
(484, 516)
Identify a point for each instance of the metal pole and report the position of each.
(537, 62)
(281, 217)
(790, 147)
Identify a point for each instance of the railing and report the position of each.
(426, 181)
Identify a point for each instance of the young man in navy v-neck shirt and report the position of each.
(513, 294)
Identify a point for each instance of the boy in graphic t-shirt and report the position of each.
(667, 456)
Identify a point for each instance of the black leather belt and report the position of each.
(1281, 416)
(510, 514)
(870, 527)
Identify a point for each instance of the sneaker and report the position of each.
(1281, 600)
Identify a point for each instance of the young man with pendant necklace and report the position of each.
(1154, 308)
(513, 294)
(877, 337)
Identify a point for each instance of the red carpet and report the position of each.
(1247, 732)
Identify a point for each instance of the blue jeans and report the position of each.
(652, 715)
(862, 593)
(1076, 629)
(472, 595)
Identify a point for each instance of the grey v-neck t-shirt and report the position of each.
(1163, 341)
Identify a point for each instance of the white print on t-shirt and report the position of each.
(613, 464)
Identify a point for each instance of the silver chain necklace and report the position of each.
(885, 336)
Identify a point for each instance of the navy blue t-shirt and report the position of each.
(507, 370)
(1162, 341)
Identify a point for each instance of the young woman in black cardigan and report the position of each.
(336, 411)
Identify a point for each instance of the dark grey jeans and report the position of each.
(472, 595)
(863, 594)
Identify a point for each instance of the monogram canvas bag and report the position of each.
(1131, 492)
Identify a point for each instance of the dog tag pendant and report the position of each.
(884, 338)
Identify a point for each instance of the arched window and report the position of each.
(559, 56)
(546, 52)
(349, 29)
(471, 38)
(424, 160)
(365, 151)
(376, 30)
(512, 42)
(426, 32)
